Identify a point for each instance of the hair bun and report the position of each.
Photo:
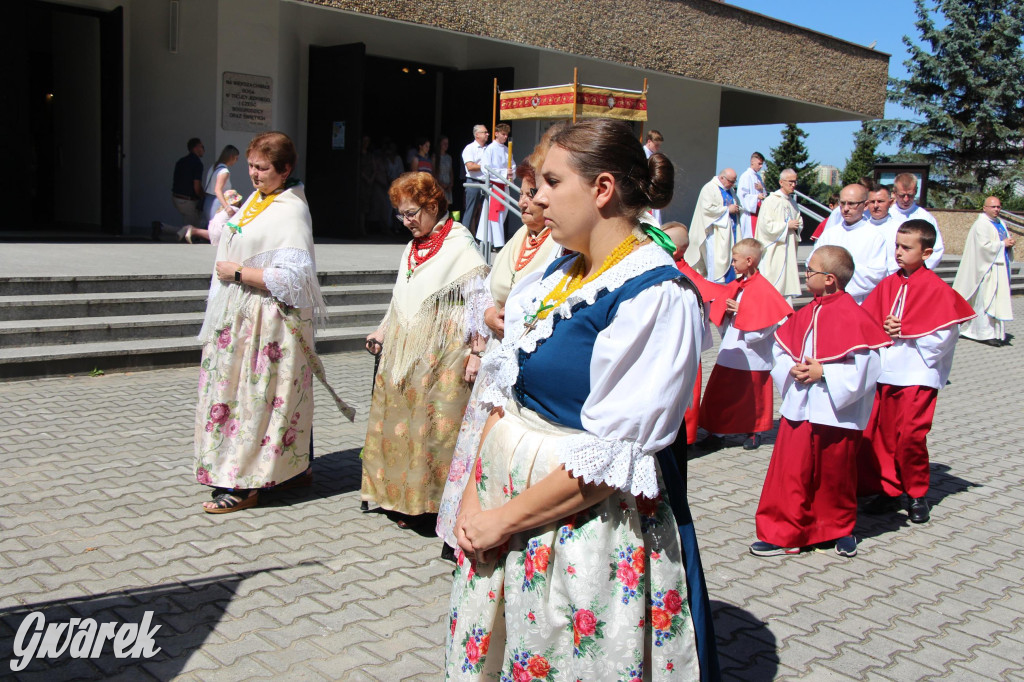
(662, 183)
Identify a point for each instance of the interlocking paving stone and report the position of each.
(100, 518)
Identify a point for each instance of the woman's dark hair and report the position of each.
(229, 152)
(526, 171)
(601, 145)
(277, 147)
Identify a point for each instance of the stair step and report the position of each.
(48, 332)
(140, 354)
(108, 284)
(119, 304)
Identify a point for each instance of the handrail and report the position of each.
(491, 178)
(809, 199)
(807, 211)
(1017, 220)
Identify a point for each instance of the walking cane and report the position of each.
(374, 348)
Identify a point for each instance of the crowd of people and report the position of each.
(537, 412)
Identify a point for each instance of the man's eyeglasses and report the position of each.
(851, 204)
(906, 195)
(816, 272)
(408, 215)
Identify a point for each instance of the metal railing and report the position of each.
(807, 211)
(489, 189)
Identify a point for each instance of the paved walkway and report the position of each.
(99, 518)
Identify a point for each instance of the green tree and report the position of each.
(965, 85)
(862, 160)
(791, 153)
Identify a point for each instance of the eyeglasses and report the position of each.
(408, 215)
(851, 204)
(998, 208)
(816, 272)
(531, 193)
(906, 195)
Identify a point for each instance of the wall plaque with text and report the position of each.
(248, 103)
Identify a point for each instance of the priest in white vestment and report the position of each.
(906, 208)
(879, 202)
(750, 193)
(866, 244)
(983, 277)
(713, 230)
(778, 230)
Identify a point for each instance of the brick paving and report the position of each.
(100, 519)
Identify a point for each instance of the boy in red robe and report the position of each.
(922, 314)
(739, 394)
(709, 291)
(826, 367)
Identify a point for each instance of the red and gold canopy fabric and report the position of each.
(559, 101)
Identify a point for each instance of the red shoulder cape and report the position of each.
(762, 306)
(709, 291)
(839, 327)
(923, 302)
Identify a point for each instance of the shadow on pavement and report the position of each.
(185, 613)
(747, 649)
(334, 473)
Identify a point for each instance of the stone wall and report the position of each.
(699, 39)
(955, 224)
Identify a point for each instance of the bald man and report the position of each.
(983, 277)
(713, 230)
(865, 242)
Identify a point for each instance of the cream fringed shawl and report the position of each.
(503, 272)
(279, 241)
(429, 308)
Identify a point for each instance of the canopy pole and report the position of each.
(494, 109)
(641, 122)
(575, 93)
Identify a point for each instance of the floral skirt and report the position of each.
(255, 408)
(413, 426)
(466, 449)
(597, 596)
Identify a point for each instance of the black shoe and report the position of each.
(881, 504)
(157, 228)
(447, 553)
(364, 506)
(710, 443)
(753, 442)
(919, 510)
(846, 546)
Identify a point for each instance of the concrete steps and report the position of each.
(66, 325)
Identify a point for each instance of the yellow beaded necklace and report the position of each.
(573, 280)
(253, 209)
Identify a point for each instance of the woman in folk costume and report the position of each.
(522, 261)
(255, 410)
(570, 564)
(432, 338)
(983, 277)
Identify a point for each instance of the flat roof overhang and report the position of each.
(702, 40)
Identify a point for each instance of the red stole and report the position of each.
(762, 306)
(922, 302)
(495, 207)
(837, 326)
(709, 291)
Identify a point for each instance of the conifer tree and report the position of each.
(965, 84)
(862, 160)
(791, 153)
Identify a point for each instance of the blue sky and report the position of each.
(859, 22)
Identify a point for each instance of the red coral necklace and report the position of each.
(528, 249)
(429, 245)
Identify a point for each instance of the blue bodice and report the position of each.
(554, 380)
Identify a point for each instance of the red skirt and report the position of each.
(495, 207)
(692, 412)
(810, 491)
(894, 453)
(737, 401)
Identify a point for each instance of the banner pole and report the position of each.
(575, 93)
(494, 109)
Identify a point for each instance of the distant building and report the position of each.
(828, 175)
